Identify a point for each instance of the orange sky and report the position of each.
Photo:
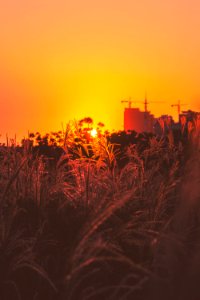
(61, 60)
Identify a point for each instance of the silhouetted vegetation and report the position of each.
(112, 217)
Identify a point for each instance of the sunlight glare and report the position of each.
(93, 133)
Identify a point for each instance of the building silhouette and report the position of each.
(140, 121)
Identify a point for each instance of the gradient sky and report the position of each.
(61, 60)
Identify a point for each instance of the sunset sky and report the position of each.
(61, 60)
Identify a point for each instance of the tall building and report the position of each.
(137, 120)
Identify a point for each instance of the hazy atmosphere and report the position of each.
(100, 150)
(61, 60)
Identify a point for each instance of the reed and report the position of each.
(84, 225)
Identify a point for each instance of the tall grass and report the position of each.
(87, 226)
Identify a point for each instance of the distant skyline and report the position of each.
(64, 60)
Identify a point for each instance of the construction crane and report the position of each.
(151, 102)
(178, 105)
(145, 103)
(128, 101)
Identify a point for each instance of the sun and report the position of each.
(93, 133)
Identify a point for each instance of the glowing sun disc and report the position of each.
(93, 133)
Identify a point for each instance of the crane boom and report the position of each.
(145, 103)
(128, 101)
(178, 105)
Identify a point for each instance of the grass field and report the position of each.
(90, 219)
